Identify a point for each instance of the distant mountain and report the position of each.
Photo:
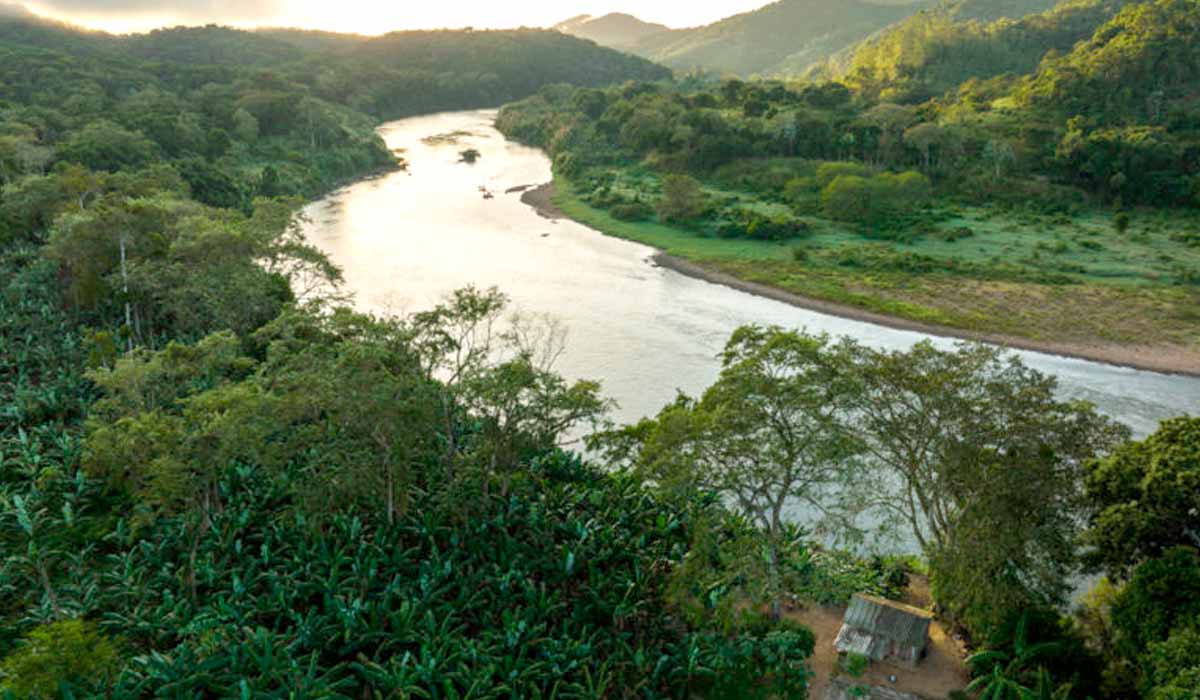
(10, 10)
(784, 37)
(616, 30)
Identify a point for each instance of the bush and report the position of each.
(60, 652)
(682, 199)
(1121, 222)
(828, 172)
(879, 201)
(631, 211)
(745, 223)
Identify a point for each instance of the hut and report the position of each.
(884, 630)
(842, 688)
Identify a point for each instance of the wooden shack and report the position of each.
(884, 630)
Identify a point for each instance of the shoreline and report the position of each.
(1162, 360)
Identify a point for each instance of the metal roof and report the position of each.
(869, 616)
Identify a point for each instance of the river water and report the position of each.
(405, 240)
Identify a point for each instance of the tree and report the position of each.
(764, 438)
(988, 465)
(245, 126)
(1144, 498)
(369, 410)
(891, 120)
(852, 198)
(1002, 675)
(926, 137)
(1162, 596)
(1174, 666)
(1001, 154)
(682, 199)
(103, 145)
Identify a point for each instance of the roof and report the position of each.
(870, 617)
(842, 688)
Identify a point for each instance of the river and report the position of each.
(407, 239)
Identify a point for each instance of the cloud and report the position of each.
(193, 11)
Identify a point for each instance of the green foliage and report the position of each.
(632, 211)
(66, 652)
(856, 664)
(1145, 498)
(1174, 666)
(935, 51)
(1162, 595)
(682, 199)
(782, 38)
(1002, 538)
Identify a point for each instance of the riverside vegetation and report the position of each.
(217, 480)
(1057, 206)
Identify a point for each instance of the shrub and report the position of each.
(751, 224)
(880, 201)
(59, 652)
(631, 211)
(828, 172)
(1121, 222)
(682, 199)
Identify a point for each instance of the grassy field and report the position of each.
(1105, 288)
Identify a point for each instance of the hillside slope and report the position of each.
(617, 30)
(781, 35)
(936, 50)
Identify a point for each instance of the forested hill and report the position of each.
(785, 36)
(616, 29)
(934, 51)
(243, 114)
(210, 490)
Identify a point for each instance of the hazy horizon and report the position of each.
(368, 17)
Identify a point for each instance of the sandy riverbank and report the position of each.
(1167, 359)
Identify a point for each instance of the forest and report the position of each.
(1006, 187)
(218, 480)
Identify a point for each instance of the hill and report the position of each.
(783, 37)
(936, 50)
(617, 30)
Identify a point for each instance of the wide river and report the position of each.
(405, 240)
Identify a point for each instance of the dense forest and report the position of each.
(218, 480)
(241, 114)
(1049, 184)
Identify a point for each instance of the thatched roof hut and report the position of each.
(884, 630)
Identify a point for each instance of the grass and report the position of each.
(1107, 287)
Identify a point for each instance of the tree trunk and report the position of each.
(125, 289)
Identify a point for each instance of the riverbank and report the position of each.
(1007, 302)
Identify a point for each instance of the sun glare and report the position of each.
(371, 17)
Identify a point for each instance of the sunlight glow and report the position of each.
(372, 17)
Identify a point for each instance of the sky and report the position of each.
(375, 16)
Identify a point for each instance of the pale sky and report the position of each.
(374, 17)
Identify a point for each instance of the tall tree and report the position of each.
(1145, 498)
(988, 465)
(765, 438)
